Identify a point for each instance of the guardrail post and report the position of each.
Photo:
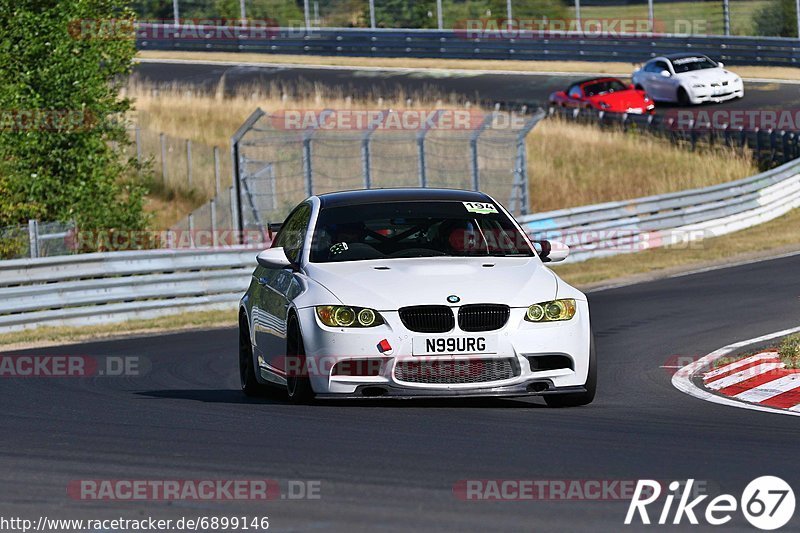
(213, 208)
(162, 140)
(306, 15)
(138, 137)
(176, 13)
(308, 170)
(440, 15)
(191, 229)
(473, 147)
(366, 155)
(521, 179)
(216, 171)
(372, 14)
(726, 17)
(33, 238)
(234, 210)
(189, 162)
(797, 12)
(578, 13)
(650, 15)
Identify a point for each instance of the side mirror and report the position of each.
(273, 258)
(665, 73)
(720, 64)
(551, 251)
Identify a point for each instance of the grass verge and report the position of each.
(789, 351)
(775, 236)
(50, 336)
(578, 67)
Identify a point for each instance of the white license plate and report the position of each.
(456, 345)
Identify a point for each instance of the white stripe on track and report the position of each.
(682, 379)
(770, 389)
(744, 375)
(738, 364)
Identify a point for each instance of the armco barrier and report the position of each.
(94, 288)
(106, 287)
(670, 219)
(458, 44)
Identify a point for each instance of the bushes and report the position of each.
(60, 127)
(778, 19)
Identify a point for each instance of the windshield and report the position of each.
(603, 87)
(415, 229)
(686, 64)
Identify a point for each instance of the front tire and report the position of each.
(578, 398)
(247, 372)
(683, 97)
(298, 384)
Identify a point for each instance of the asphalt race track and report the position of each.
(528, 89)
(393, 465)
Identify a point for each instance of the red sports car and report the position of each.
(604, 94)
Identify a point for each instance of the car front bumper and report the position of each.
(717, 95)
(519, 342)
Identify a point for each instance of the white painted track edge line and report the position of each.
(730, 367)
(682, 379)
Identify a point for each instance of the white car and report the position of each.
(687, 79)
(412, 293)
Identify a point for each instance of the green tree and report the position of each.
(778, 19)
(62, 122)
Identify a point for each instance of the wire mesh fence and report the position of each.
(37, 239)
(685, 17)
(184, 166)
(280, 161)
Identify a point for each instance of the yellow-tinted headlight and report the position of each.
(342, 316)
(551, 311)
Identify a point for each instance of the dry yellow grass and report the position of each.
(583, 67)
(571, 165)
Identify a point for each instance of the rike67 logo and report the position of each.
(767, 503)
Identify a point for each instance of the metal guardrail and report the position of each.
(670, 219)
(111, 286)
(460, 44)
(106, 287)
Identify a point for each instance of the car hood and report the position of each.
(387, 285)
(627, 98)
(708, 75)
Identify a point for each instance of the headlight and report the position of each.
(552, 311)
(342, 316)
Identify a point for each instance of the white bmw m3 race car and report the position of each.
(687, 79)
(412, 293)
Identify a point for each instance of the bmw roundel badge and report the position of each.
(453, 299)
